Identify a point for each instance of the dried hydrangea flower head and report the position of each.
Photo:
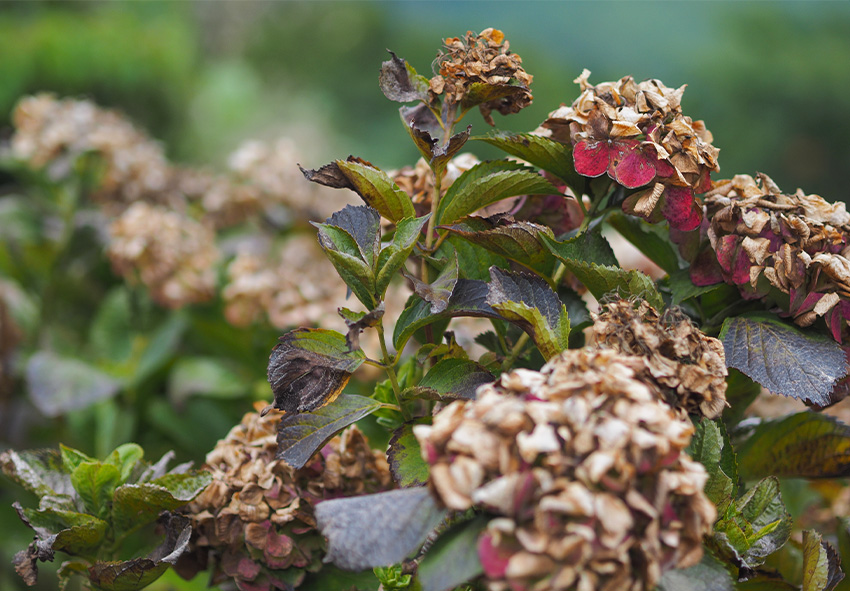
(172, 254)
(482, 65)
(688, 366)
(582, 466)
(638, 135)
(763, 240)
(53, 133)
(255, 520)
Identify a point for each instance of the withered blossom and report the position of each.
(482, 66)
(638, 135)
(170, 253)
(766, 242)
(255, 523)
(688, 366)
(582, 468)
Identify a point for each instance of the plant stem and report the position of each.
(391, 370)
(517, 349)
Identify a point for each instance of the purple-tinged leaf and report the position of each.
(529, 302)
(469, 298)
(300, 435)
(77, 534)
(803, 445)
(453, 559)
(437, 293)
(782, 358)
(309, 367)
(821, 563)
(41, 472)
(451, 379)
(425, 129)
(377, 530)
(357, 322)
(400, 83)
(405, 458)
(591, 158)
(363, 223)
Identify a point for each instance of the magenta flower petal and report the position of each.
(494, 561)
(632, 167)
(591, 158)
(664, 168)
(681, 209)
(705, 270)
(733, 260)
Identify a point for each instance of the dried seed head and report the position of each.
(172, 254)
(638, 135)
(583, 466)
(688, 366)
(256, 518)
(483, 59)
(761, 240)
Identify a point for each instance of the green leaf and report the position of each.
(136, 505)
(377, 189)
(394, 255)
(709, 575)
(473, 261)
(125, 458)
(425, 129)
(821, 564)
(755, 526)
(331, 577)
(451, 379)
(377, 530)
(204, 376)
(741, 391)
(405, 458)
(399, 81)
(529, 302)
(843, 534)
(78, 534)
(711, 447)
(309, 367)
(802, 445)
(357, 275)
(682, 288)
(782, 358)
(590, 247)
(550, 155)
(437, 293)
(132, 575)
(651, 240)
(161, 347)
(516, 241)
(470, 196)
(61, 384)
(110, 334)
(301, 435)
(71, 458)
(453, 559)
(41, 472)
(95, 482)
(469, 298)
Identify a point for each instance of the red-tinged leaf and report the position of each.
(629, 165)
(377, 530)
(301, 435)
(705, 270)
(681, 208)
(591, 158)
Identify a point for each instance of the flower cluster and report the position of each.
(485, 59)
(172, 254)
(763, 240)
(255, 520)
(582, 465)
(688, 366)
(637, 134)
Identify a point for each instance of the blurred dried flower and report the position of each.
(582, 463)
(688, 366)
(637, 134)
(172, 254)
(53, 133)
(254, 523)
(476, 67)
(761, 239)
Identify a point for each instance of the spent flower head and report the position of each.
(582, 466)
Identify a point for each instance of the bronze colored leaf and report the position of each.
(308, 368)
(399, 81)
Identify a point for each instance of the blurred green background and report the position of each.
(771, 80)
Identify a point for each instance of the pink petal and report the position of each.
(591, 158)
(633, 168)
(733, 260)
(664, 168)
(681, 209)
(705, 270)
(493, 560)
(704, 182)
